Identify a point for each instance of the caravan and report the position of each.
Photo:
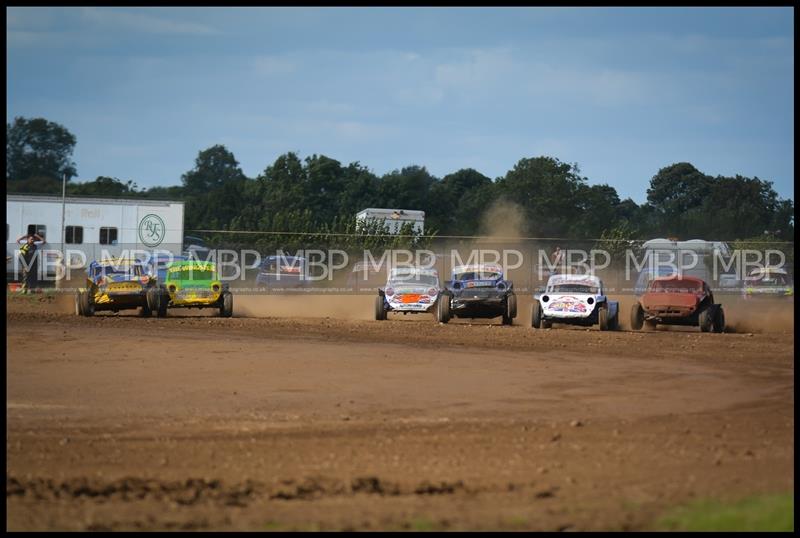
(93, 228)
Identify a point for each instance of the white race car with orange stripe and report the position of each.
(412, 290)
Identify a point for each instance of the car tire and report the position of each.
(226, 305)
(602, 318)
(547, 324)
(78, 304)
(719, 320)
(706, 319)
(512, 305)
(443, 308)
(152, 299)
(508, 319)
(380, 309)
(637, 317)
(162, 303)
(87, 306)
(145, 311)
(536, 314)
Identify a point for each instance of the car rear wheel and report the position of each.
(443, 308)
(536, 314)
(637, 317)
(78, 304)
(512, 306)
(706, 319)
(602, 318)
(508, 313)
(86, 304)
(380, 309)
(226, 305)
(719, 320)
(162, 303)
(152, 299)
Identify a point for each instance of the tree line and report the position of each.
(319, 195)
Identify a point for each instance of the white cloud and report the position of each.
(113, 19)
(273, 65)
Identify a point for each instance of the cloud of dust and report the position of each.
(505, 219)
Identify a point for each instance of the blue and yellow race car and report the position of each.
(116, 284)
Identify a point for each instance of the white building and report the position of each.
(94, 226)
(393, 219)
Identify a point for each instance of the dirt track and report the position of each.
(194, 422)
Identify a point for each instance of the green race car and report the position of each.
(194, 284)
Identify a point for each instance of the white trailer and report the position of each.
(393, 219)
(95, 227)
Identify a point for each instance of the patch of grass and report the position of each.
(758, 513)
(517, 521)
(421, 524)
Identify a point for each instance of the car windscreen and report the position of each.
(766, 281)
(478, 275)
(571, 287)
(190, 273)
(285, 266)
(675, 286)
(124, 270)
(414, 280)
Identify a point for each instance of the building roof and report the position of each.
(89, 200)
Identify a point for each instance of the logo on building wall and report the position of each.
(152, 230)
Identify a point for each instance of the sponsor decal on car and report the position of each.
(567, 304)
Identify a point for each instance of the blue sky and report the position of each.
(621, 91)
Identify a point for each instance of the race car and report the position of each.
(364, 276)
(768, 283)
(193, 284)
(282, 272)
(575, 300)
(412, 290)
(481, 291)
(678, 300)
(116, 284)
(158, 265)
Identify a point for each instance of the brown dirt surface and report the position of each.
(302, 413)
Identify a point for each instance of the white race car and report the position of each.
(576, 300)
(413, 290)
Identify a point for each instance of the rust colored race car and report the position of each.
(678, 300)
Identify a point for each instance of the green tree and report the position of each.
(214, 189)
(38, 148)
(408, 188)
(458, 201)
(677, 193)
(104, 186)
(598, 210)
(548, 191)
